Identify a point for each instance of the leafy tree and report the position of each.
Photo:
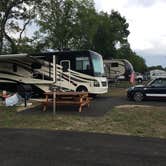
(12, 12)
(159, 67)
(86, 25)
(138, 63)
(56, 22)
(103, 43)
(67, 23)
(112, 31)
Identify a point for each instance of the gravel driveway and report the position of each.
(98, 106)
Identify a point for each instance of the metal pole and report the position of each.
(54, 102)
(54, 88)
(54, 68)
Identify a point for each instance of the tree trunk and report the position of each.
(1, 43)
(1, 38)
(13, 45)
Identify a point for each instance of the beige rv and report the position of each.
(117, 69)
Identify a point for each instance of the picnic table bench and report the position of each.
(67, 98)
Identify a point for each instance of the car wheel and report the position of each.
(138, 96)
(139, 80)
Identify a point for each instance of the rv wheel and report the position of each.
(82, 89)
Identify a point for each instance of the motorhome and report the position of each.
(118, 69)
(68, 70)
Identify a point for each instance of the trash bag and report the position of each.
(12, 100)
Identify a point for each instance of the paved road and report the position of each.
(26, 147)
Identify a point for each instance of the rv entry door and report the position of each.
(65, 68)
(65, 65)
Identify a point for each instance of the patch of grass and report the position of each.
(113, 91)
(120, 84)
(140, 121)
(6, 114)
(149, 122)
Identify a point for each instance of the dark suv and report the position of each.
(154, 89)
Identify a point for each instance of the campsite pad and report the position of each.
(98, 106)
(27, 147)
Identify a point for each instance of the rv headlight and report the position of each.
(96, 83)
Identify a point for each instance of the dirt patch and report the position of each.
(133, 106)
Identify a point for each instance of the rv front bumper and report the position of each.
(97, 90)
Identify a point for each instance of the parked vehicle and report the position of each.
(139, 77)
(154, 89)
(72, 70)
(157, 73)
(118, 69)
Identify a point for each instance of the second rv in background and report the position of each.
(118, 69)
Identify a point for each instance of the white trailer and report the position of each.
(118, 69)
(157, 73)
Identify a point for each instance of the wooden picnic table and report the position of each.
(67, 98)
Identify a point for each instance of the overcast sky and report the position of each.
(147, 26)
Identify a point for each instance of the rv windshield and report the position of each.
(98, 66)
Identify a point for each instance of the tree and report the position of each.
(138, 63)
(159, 67)
(56, 22)
(86, 25)
(112, 31)
(67, 23)
(125, 52)
(12, 14)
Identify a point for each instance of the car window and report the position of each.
(164, 82)
(159, 83)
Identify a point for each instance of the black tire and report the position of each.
(138, 96)
(82, 89)
(139, 80)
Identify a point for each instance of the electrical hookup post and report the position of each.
(54, 85)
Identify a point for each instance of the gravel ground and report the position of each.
(24, 147)
(98, 106)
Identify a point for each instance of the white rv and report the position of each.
(72, 70)
(157, 73)
(118, 69)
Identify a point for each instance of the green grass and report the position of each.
(116, 92)
(142, 121)
(139, 121)
(149, 122)
(120, 84)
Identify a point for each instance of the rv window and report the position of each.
(82, 63)
(114, 65)
(14, 67)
